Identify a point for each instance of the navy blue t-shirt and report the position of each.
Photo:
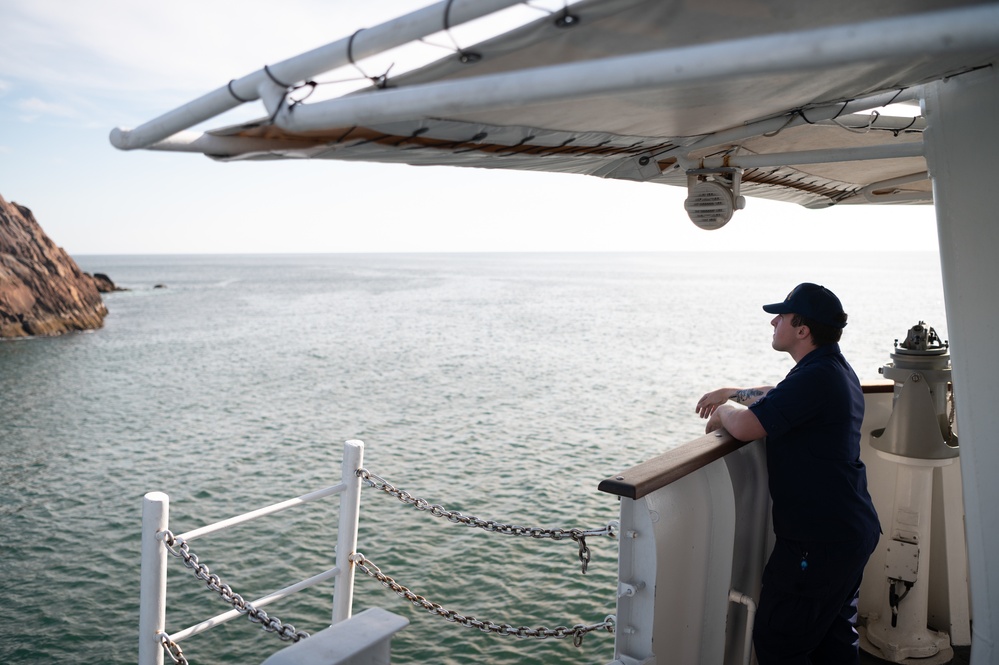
(817, 482)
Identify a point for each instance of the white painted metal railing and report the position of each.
(693, 541)
(153, 583)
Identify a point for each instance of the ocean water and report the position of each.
(505, 386)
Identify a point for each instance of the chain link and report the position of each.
(577, 632)
(437, 510)
(180, 549)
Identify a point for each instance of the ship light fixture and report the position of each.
(713, 196)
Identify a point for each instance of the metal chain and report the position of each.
(437, 510)
(180, 549)
(577, 632)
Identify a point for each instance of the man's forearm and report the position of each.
(738, 421)
(749, 395)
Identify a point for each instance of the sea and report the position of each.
(503, 386)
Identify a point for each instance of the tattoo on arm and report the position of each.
(747, 395)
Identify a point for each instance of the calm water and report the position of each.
(503, 386)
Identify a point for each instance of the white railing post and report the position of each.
(346, 540)
(153, 578)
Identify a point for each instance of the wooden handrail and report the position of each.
(671, 466)
(647, 477)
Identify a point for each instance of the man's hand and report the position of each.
(714, 422)
(710, 401)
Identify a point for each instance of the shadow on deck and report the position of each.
(962, 656)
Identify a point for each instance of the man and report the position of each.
(823, 517)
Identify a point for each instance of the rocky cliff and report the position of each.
(42, 290)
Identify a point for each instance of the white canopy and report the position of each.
(781, 92)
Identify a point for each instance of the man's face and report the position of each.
(785, 334)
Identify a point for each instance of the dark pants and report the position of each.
(807, 613)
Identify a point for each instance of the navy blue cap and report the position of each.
(812, 302)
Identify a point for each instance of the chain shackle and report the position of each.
(172, 649)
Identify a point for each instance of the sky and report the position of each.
(71, 71)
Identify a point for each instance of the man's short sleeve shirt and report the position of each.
(817, 482)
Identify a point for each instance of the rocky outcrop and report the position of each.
(42, 290)
(104, 283)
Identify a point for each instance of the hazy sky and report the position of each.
(70, 71)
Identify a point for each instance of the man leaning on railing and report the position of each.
(823, 517)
